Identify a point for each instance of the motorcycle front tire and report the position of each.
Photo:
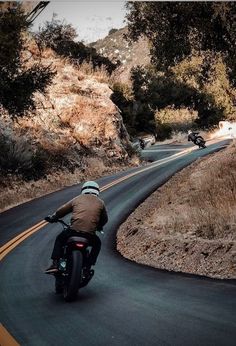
(73, 280)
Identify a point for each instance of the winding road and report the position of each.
(125, 303)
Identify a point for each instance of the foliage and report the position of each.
(181, 28)
(60, 37)
(112, 31)
(55, 33)
(181, 119)
(17, 82)
(122, 96)
(177, 100)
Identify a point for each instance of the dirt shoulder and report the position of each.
(15, 191)
(189, 224)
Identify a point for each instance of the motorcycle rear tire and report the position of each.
(72, 283)
(200, 142)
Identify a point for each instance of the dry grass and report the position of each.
(180, 119)
(19, 191)
(99, 73)
(204, 201)
(16, 191)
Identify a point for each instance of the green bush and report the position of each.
(179, 120)
(163, 131)
(123, 97)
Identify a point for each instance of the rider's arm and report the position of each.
(64, 210)
(103, 218)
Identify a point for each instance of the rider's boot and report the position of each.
(53, 268)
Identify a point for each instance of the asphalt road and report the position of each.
(125, 303)
(158, 152)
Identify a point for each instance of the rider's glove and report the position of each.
(51, 218)
(100, 230)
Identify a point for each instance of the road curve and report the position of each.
(125, 303)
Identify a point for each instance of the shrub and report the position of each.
(112, 31)
(20, 156)
(163, 131)
(16, 156)
(123, 97)
(55, 33)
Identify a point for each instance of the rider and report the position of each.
(192, 136)
(88, 215)
(141, 143)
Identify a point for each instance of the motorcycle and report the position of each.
(73, 270)
(141, 143)
(200, 142)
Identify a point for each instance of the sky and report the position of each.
(92, 19)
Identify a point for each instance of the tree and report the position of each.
(61, 38)
(55, 33)
(178, 29)
(17, 82)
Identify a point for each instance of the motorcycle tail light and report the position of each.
(80, 245)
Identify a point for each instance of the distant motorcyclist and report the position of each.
(192, 136)
(88, 215)
(196, 139)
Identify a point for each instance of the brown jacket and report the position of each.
(88, 213)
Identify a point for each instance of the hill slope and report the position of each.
(76, 132)
(189, 224)
(116, 47)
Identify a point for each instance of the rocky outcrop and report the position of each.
(77, 111)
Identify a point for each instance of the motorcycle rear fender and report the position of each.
(78, 240)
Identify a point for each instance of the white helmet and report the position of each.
(90, 187)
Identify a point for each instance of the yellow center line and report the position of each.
(4, 247)
(9, 246)
(6, 339)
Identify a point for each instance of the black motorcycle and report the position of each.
(196, 139)
(74, 272)
(141, 143)
(200, 142)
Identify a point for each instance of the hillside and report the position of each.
(189, 224)
(116, 47)
(76, 132)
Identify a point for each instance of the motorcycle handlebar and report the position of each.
(63, 222)
(66, 225)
